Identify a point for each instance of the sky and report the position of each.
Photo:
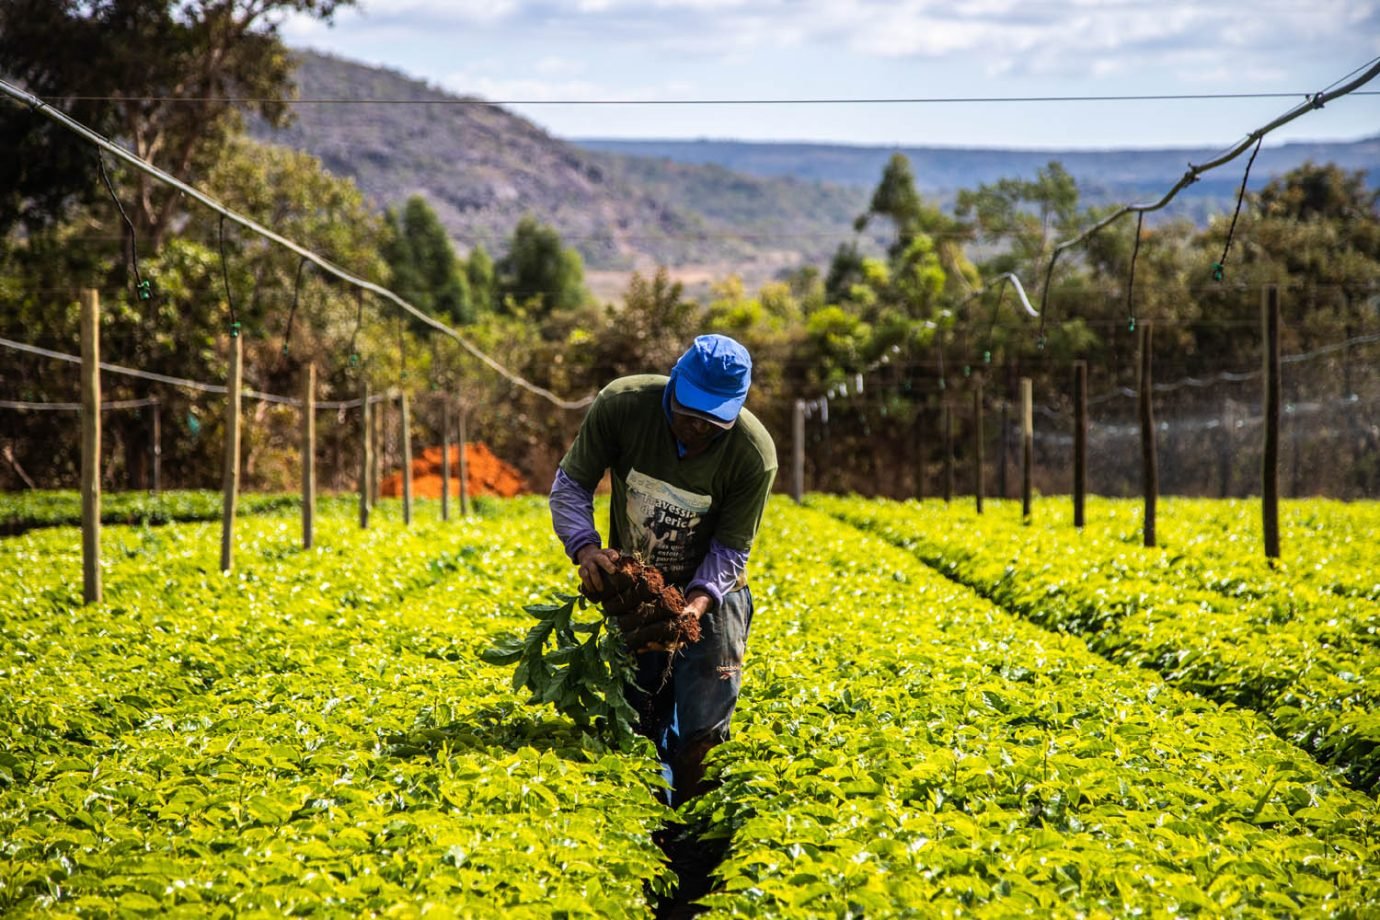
(654, 55)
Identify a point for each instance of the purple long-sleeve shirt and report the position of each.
(572, 515)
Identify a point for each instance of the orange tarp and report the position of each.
(486, 474)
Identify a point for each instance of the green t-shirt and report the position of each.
(664, 507)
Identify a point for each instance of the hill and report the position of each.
(942, 171)
(481, 168)
(704, 207)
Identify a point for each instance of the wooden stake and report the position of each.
(1269, 473)
(377, 414)
(948, 426)
(798, 450)
(977, 442)
(1080, 442)
(1150, 474)
(461, 437)
(308, 454)
(91, 447)
(232, 454)
(1002, 460)
(1027, 445)
(366, 456)
(157, 446)
(445, 459)
(406, 436)
(920, 465)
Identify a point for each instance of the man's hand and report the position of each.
(699, 603)
(667, 634)
(593, 563)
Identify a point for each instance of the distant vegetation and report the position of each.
(1104, 176)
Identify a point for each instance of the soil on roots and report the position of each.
(641, 590)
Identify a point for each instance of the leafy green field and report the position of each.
(1299, 641)
(315, 733)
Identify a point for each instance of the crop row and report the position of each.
(1308, 660)
(1327, 546)
(906, 748)
(21, 511)
(311, 732)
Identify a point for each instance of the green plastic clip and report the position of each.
(1131, 324)
(1218, 271)
(354, 359)
(143, 289)
(234, 330)
(1040, 344)
(987, 357)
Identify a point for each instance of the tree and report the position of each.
(289, 313)
(425, 269)
(896, 199)
(160, 75)
(845, 272)
(539, 275)
(1027, 215)
(651, 329)
(479, 270)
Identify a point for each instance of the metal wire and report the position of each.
(66, 121)
(1313, 102)
(133, 247)
(73, 406)
(1131, 279)
(1220, 267)
(768, 100)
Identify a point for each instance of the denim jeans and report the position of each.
(685, 703)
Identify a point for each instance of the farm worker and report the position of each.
(690, 473)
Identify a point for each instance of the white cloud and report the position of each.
(553, 66)
(1037, 36)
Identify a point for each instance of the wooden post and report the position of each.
(232, 452)
(405, 434)
(461, 437)
(376, 415)
(1002, 459)
(366, 456)
(1080, 442)
(947, 421)
(445, 459)
(1027, 444)
(798, 450)
(308, 454)
(920, 449)
(1006, 405)
(91, 591)
(977, 442)
(1150, 475)
(157, 445)
(1269, 486)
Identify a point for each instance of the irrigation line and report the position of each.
(66, 121)
(183, 382)
(73, 406)
(720, 100)
(1236, 377)
(1316, 101)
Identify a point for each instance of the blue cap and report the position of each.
(713, 377)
